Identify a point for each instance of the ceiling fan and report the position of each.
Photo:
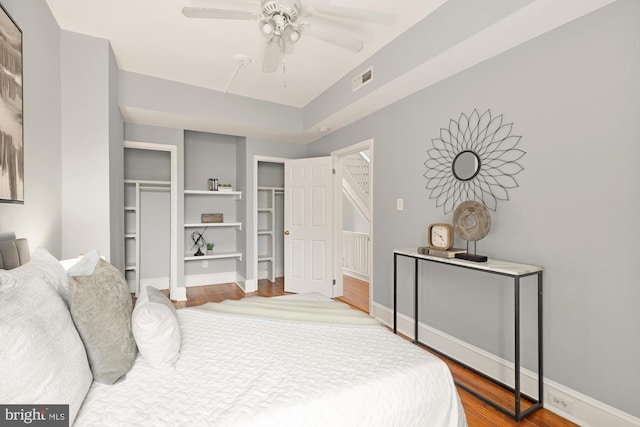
(280, 22)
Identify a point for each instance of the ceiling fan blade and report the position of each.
(272, 55)
(210, 13)
(343, 10)
(340, 40)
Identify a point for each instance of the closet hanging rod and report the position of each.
(144, 188)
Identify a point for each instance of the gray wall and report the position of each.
(407, 50)
(179, 101)
(39, 219)
(91, 134)
(574, 96)
(116, 162)
(352, 218)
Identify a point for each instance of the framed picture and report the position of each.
(11, 127)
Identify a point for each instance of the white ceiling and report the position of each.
(152, 37)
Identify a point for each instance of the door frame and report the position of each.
(252, 286)
(175, 293)
(337, 157)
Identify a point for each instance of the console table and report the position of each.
(503, 268)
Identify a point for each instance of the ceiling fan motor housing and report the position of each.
(278, 19)
(274, 7)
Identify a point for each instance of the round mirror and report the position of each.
(466, 165)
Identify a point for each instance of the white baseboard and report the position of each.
(156, 282)
(583, 409)
(178, 294)
(161, 283)
(249, 286)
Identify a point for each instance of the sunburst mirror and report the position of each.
(475, 158)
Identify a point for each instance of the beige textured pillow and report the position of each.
(101, 310)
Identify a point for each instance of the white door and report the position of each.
(308, 225)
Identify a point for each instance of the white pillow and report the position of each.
(42, 265)
(85, 265)
(42, 359)
(156, 329)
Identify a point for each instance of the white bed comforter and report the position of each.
(236, 371)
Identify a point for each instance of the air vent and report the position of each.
(362, 79)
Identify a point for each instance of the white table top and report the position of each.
(491, 265)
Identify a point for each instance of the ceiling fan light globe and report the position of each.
(266, 27)
(292, 34)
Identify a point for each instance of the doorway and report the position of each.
(268, 240)
(134, 210)
(353, 200)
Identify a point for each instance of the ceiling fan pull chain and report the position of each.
(284, 65)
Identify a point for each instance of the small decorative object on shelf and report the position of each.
(210, 184)
(225, 187)
(440, 236)
(443, 253)
(210, 248)
(198, 241)
(212, 217)
(449, 253)
(472, 222)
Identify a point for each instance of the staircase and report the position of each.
(355, 181)
(355, 184)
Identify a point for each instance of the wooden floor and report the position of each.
(479, 414)
(355, 293)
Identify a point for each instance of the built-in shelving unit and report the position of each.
(266, 227)
(222, 197)
(236, 194)
(133, 188)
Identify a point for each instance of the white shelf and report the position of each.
(215, 255)
(265, 232)
(130, 236)
(148, 183)
(214, 224)
(130, 208)
(508, 268)
(237, 194)
(130, 267)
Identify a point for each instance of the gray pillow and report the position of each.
(101, 310)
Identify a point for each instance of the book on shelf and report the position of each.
(450, 253)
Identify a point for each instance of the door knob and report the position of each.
(286, 232)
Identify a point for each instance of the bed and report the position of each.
(289, 361)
